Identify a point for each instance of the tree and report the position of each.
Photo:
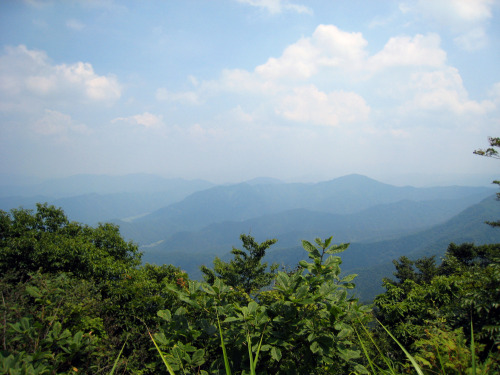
(71, 294)
(46, 240)
(465, 287)
(491, 152)
(245, 270)
(304, 324)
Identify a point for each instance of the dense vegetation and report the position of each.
(73, 296)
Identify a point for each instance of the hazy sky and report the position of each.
(228, 90)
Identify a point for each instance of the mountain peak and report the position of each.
(263, 181)
(354, 180)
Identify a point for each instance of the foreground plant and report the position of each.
(304, 322)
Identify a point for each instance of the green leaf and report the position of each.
(231, 319)
(305, 264)
(315, 347)
(33, 291)
(305, 301)
(165, 314)
(302, 292)
(283, 280)
(349, 278)
(344, 333)
(360, 369)
(252, 307)
(337, 248)
(348, 354)
(309, 247)
(328, 241)
(197, 358)
(276, 353)
(207, 288)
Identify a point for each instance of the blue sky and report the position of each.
(228, 90)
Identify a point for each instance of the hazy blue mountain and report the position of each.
(263, 181)
(240, 202)
(289, 227)
(371, 260)
(7, 203)
(7, 179)
(104, 184)
(91, 199)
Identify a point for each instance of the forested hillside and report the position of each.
(342, 196)
(76, 299)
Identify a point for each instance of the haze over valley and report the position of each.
(188, 223)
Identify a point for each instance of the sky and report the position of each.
(229, 90)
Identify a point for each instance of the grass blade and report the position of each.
(388, 363)
(169, 368)
(472, 348)
(258, 350)
(118, 358)
(226, 360)
(408, 355)
(250, 355)
(364, 350)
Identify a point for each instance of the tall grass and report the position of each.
(118, 358)
(226, 359)
(376, 369)
(253, 360)
(390, 368)
(167, 365)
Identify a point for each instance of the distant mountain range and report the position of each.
(94, 198)
(346, 195)
(187, 223)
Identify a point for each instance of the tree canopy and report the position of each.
(246, 270)
(46, 240)
(492, 152)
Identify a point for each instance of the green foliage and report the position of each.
(491, 152)
(246, 271)
(74, 299)
(47, 241)
(48, 325)
(303, 325)
(85, 279)
(422, 312)
(443, 352)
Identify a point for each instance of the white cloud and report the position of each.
(75, 25)
(55, 123)
(309, 105)
(277, 6)
(444, 90)
(191, 97)
(146, 120)
(29, 75)
(473, 40)
(240, 115)
(495, 92)
(455, 12)
(328, 47)
(298, 61)
(466, 18)
(312, 82)
(405, 51)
